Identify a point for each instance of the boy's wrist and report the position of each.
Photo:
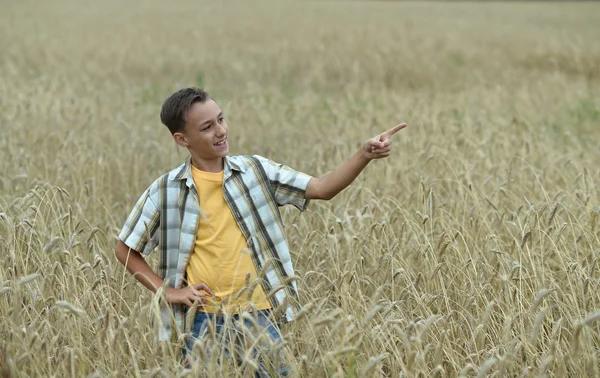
(362, 156)
(170, 294)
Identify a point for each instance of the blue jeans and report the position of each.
(234, 335)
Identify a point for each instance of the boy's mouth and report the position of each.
(222, 143)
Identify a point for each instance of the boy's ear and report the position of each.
(180, 139)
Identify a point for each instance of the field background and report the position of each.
(473, 250)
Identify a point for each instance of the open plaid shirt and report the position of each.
(167, 214)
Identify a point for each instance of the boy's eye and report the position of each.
(206, 128)
(221, 119)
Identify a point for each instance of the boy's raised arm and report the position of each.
(334, 182)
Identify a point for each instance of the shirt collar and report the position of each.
(185, 173)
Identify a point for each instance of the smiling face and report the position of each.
(205, 135)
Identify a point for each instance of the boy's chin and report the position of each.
(220, 153)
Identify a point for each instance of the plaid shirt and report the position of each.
(167, 214)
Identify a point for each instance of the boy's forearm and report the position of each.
(138, 267)
(337, 180)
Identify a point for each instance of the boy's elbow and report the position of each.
(316, 190)
(121, 251)
(324, 194)
(319, 196)
(327, 196)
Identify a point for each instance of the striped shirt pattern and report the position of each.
(167, 214)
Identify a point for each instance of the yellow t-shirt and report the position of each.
(221, 256)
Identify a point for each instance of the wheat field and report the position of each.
(472, 251)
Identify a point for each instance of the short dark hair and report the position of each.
(174, 110)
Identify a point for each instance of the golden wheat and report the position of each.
(472, 250)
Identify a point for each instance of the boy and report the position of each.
(216, 222)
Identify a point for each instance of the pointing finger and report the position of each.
(392, 131)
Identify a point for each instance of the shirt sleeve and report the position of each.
(140, 230)
(289, 186)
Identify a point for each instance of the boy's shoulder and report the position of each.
(175, 173)
(244, 161)
(247, 164)
(169, 180)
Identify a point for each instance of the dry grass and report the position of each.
(472, 251)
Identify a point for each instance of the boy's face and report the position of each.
(205, 131)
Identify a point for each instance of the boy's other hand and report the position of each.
(189, 295)
(380, 146)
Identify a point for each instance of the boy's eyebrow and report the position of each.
(209, 120)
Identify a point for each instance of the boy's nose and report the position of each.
(221, 131)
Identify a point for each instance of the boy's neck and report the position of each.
(214, 166)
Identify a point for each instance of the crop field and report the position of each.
(473, 250)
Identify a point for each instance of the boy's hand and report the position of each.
(381, 145)
(189, 295)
